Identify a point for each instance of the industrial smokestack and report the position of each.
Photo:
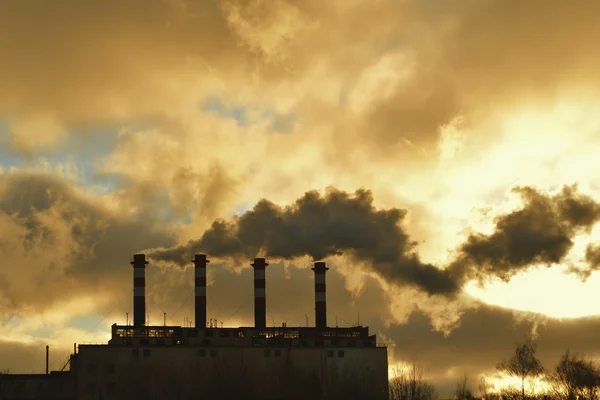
(260, 303)
(200, 262)
(139, 289)
(47, 358)
(320, 295)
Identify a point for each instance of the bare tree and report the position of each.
(523, 364)
(484, 387)
(410, 384)
(462, 391)
(574, 377)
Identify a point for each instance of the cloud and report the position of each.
(486, 336)
(592, 256)
(541, 231)
(320, 227)
(395, 83)
(58, 242)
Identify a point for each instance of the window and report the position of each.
(110, 368)
(146, 352)
(267, 353)
(329, 353)
(277, 353)
(239, 333)
(213, 353)
(341, 353)
(135, 352)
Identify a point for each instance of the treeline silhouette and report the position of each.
(575, 377)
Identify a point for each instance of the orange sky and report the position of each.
(127, 126)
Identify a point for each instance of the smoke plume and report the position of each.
(542, 231)
(319, 226)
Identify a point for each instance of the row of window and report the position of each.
(136, 352)
(276, 352)
(203, 353)
(331, 353)
(111, 369)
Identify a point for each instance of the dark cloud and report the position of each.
(319, 226)
(592, 256)
(57, 241)
(541, 231)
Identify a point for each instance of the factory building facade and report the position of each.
(206, 362)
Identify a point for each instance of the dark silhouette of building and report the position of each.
(208, 362)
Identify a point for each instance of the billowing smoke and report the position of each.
(541, 232)
(319, 226)
(592, 256)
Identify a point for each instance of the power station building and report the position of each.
(208, 362)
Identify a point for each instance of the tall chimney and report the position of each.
(200, 262)
(139, 289)
(320, 295)
(260, 303)
(47, 358)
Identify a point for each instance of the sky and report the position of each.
(440, 156)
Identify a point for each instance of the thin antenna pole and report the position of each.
(273, 321)
(306, 319)
(359, 318)
(127, 318)
(221, 324)
(336, 321)
(165, 318)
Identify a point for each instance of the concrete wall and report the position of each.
(56, 386)
(192, 372)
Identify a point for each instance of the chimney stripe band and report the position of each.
(200, 272)
(200, 281)
(259, 292)
(139, 291)
(259, 274)
(139, 272)
(320, 297)
(319, 277)
(201, 291)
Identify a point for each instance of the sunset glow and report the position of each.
(441, 157)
